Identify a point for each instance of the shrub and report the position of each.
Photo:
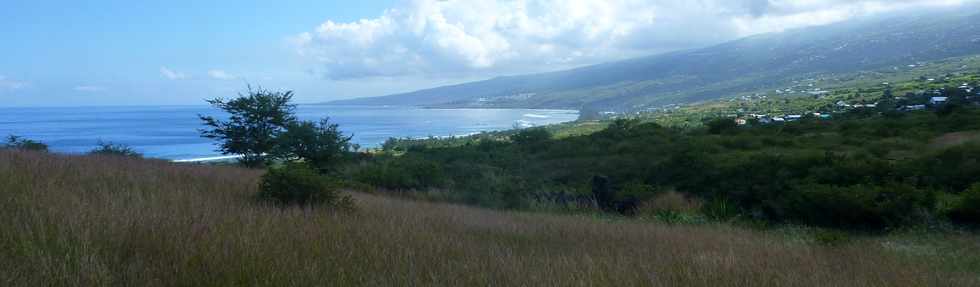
(113, 149)
(531, 137)
(402, 173)
(16, 142)
(967, 210)
(299, 184)
(671, 201)
(720, 125)
(670, 207)
(856, 206)
(719, 209)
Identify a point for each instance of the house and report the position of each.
(778, 119)
(938, 100)
(914, 107)
(741, 121)
(793, 117)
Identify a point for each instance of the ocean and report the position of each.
(171, 132)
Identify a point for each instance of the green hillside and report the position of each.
(825, 56)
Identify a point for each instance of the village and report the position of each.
(964, 94)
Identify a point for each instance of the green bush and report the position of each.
(720, 125)
(531, 137)
(967, 210)
(720, 209)
(16, 142)
(402, 173)
(108, 148)
(858, 206)
(299, 184)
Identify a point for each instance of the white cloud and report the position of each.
(455, 37)
(221, 75)
(9, 84)
(89, 89)
(171, 74)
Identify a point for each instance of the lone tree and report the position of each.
(320, 144)
(255, 121)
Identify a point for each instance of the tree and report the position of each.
(320, 144)
(255, 121)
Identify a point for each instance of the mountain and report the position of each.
(755, 64)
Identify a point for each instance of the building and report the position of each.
(938, 100)
(914, 107)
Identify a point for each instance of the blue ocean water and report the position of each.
(171, 132)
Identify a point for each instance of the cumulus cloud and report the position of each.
(171, 74)
(221, 75)
(89, 89)
(455, 37)
(10, 84)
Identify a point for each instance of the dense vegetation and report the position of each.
(860, 170)
(119, 221)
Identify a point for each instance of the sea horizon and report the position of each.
(171, 131)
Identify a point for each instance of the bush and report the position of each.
(299, 184)
(858, 206)
(531, 137)
(671, 201)
(967, 210)
(402, 173)
(16, 142)
(112, 149)
(670, 207)
(720, 125)
(720, 209)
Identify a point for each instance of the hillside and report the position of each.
(758, 64)
(112, 221)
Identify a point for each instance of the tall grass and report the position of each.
(103, 220)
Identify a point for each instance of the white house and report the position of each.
(915, 107)
(938, 100)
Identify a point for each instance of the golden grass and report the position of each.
(104, 221)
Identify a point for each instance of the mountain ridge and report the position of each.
(760, 63)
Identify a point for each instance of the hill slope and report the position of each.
(107, 221)
(750, 65)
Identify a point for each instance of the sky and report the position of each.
(180, 52)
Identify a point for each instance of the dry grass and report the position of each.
(97, 221)
(954, 139)
(670, 201)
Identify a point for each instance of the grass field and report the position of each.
(109, 221)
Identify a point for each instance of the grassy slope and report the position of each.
(89, 221)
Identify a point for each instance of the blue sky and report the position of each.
(112, 52)
(71, 53)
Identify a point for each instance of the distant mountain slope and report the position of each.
(753, 64)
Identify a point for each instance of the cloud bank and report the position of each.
(450, 38)
(221, 75)
(89, 89)
(10, 84)
(171, 74)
